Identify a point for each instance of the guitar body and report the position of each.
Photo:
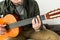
(8, 19)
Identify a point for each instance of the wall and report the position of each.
(48, 5)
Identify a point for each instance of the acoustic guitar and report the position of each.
(13, 24)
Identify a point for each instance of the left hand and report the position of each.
(36, 23)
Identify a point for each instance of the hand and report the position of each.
(2, 29)
(36, 23)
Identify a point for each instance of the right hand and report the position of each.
(2, 29)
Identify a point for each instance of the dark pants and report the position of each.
(44, 34)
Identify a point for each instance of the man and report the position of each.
(25, 9)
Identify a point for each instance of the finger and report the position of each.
(36, 21)
(38, 18)
(1, 32)
(0, 28)
(0, 24)
(3, 29)
(3, 25)
(33, 21)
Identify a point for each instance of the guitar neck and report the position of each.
(23, 22)
(29, 21)
(50, 21)
(42, 17)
